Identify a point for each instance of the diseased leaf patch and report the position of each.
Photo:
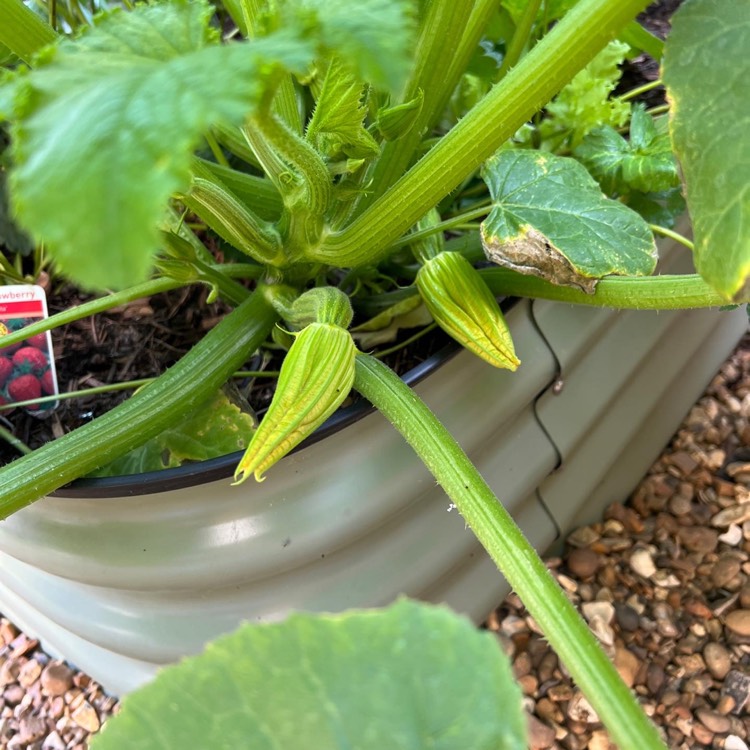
(550, 219)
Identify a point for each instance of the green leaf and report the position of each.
(658, 208)
(551, 220)
(108, 124)
(216, 428)
(375, 37)
(584, 103)
(645, 163)
(706, 66)
(408, 677)
(336, 127)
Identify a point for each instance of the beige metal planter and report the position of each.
(121, 584)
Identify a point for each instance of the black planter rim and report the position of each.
(215, 469)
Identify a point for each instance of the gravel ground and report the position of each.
(664, 582)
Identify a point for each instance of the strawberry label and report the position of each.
(27, 367)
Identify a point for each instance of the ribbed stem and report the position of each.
(579, 36)
(514, 556)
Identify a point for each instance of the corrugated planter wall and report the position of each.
(122, 576)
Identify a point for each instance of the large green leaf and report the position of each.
(706, 69)
(550, 219)
(405, 678)
(108, 124)
(216, 428)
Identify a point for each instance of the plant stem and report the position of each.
(514, 556)
(672, 235)
(641, 90)
(151, 410)
(671, 292)
(439, 38)
(11, 439)
(451, 223)
(540, 74)
(520, 37)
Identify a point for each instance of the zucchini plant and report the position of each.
(334, 150)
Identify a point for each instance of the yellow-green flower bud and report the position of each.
(464, 308)
(316, 376)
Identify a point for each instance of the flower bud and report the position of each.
(464, 307)
(316, 376)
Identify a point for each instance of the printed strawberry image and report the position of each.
(3, 402)
(38, 342)
(6, 368)
(25, 388)
(30, 360)
(47, 383)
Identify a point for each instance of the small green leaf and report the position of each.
(706, 66)
(551, 220)
(336, 127)
(584, 103)
(661, 208)
(216, 428)
(408, 677)
(108, 124)
(645, 163)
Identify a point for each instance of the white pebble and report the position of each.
(642, 563)
(733, 742)
(732, 536)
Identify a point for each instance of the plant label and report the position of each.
(27, 367)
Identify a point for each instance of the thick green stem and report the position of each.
(203, 370)
(540, 74)
(22, 31)
(439, 39)
(670, 292)
(514, 556)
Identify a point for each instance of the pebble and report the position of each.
(732, 536)
(583, 562)
(57, 678)
(735, 514)
(698, 538)
(725, 569)
(541, 736)
(627, 664)
(642, 563)
(713, 721)
(733, 742)
(718, 660)
(579, 709)
(86, 717)
(738, 621)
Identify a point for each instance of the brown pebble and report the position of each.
(698, 538)
(718, 660)
(725, 704)
(733, 514)
(29, 673)
(86, 717)
(57, 678)
(540, 736)
(738, 621)
(627, 664)
(683, 462)
(583, 562)
(654, 678)
(627, 618)
(702, 734)
(713, 721)
(725, 569)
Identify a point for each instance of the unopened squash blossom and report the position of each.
(464, 307)
(315, 378)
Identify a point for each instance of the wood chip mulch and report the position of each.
(663, 581)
